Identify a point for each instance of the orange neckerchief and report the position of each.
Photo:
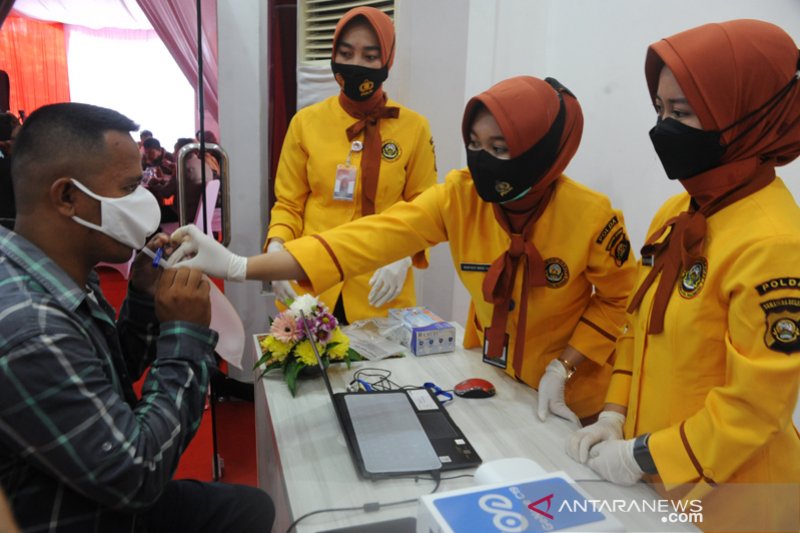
(498, 284)
(684, 243)
(369, 114)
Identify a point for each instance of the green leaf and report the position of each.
(291, 377)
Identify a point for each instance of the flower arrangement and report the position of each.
(287, 347)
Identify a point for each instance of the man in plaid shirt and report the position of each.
(78, 450)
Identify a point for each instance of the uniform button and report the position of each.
(511, 304)
(106, 447)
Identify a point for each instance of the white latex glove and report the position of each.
(207, 254)
(608, 427)
(284, 292)
(387, 282)
(614, 461)
(551, 393)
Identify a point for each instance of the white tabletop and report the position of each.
(305, 466)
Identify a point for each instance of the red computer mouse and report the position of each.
(474, 388)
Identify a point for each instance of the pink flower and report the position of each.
(323, 336)
(326, 322)
(284, 328)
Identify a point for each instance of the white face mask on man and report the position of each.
(128, 219)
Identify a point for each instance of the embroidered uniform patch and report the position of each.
(782, 317)
(390, 150)
(693, 278)
(555, 272)
(607, 229)
(619, 247)
(778, 283)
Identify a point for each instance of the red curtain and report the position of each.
(35, 56)
(282, 79)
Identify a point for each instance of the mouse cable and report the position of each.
(371, 507)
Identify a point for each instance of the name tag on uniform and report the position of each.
(345, 184)
(474, 267)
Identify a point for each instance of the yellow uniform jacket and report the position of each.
(580, 237)
(315, 144)
(718, 387)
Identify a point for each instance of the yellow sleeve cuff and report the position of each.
(672, 454)
(317, 260)
(280, 231)
(619, 388)
(592, 341)
(420, 259)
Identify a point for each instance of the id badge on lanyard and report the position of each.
(502, 360)
(344, 185)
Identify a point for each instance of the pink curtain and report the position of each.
(175, 22)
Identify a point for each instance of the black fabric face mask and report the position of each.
(501, 180)
(685, 151)
(359, 82)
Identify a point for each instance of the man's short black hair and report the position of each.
(8, 121)
(145, 133)
(150, 143)
(58, 140)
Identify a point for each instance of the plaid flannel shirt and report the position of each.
(78, 450)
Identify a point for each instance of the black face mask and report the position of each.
(501, 180)
(685, 151)
(359, 83)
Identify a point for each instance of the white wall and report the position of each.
(243, 101)
(450, 50)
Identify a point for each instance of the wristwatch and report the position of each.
(641, 452)
(569, 367)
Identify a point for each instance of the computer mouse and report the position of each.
(474, 388)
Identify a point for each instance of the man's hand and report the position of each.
(182, 294)
(144, 276)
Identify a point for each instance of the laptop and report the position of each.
(399, 432)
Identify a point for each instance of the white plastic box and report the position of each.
(422, 331)
(546, 503)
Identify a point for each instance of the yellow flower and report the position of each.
(342, 344)
(278, 349)
(305, 353)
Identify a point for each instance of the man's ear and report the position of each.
(64, 196)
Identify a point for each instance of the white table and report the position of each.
(304, 464)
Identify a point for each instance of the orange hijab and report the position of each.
(727, 71)
(369, 112)
(525, 109)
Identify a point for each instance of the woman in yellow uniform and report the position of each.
(352, 155)
(545, 260)
(706, 377)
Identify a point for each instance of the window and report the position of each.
(318, 20)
